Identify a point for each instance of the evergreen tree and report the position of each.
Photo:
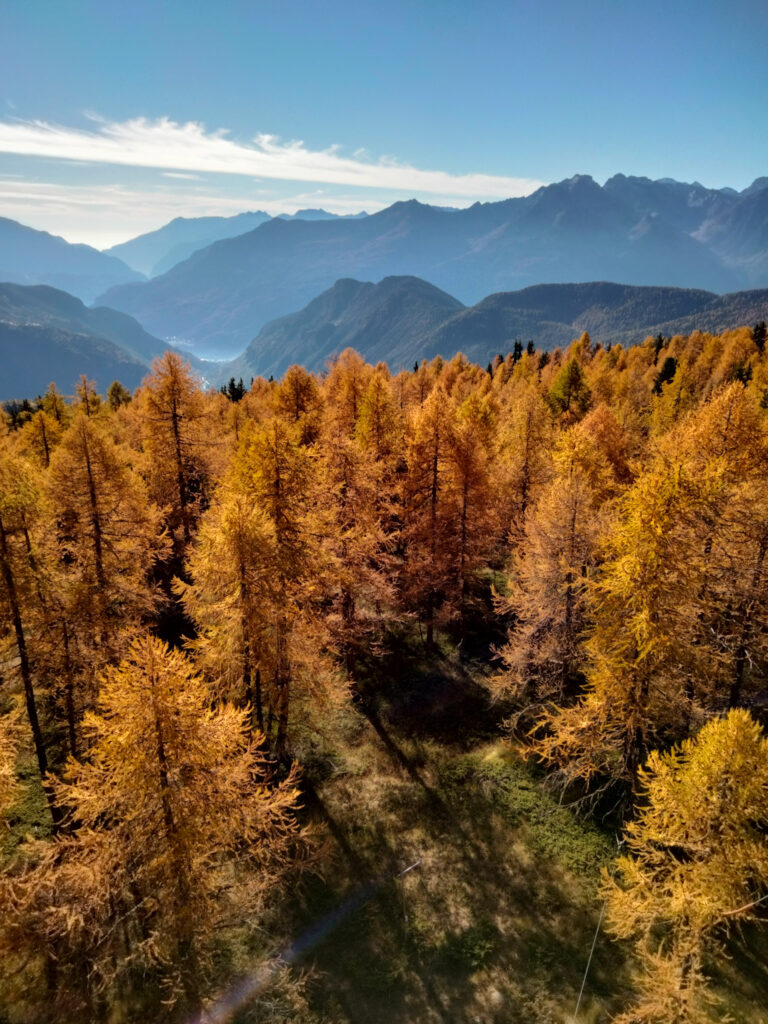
(40, 436)
(101, 550)
(759, 335)
(428, 531)
(298, 399)
(665, 374)
(547, 594)
(117, 395)
(20, 505)
(525, 433)
(570, 395)
(275, 472)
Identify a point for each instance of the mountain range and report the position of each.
(402, 320)
(157, 251)
(46, 334)
(634, 230)
(28, 256)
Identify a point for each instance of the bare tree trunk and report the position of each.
(746, 628)
(348, 618)
(69, 690)
(181, 481)
(26, 673)
(95, 517)
(183, 897)
(430, 605)
(282, 689)
(258, 702)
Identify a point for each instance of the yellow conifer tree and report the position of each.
(171, 817)
(697, 863)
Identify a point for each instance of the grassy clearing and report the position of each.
(496, 922)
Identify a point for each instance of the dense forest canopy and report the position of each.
(192, 582)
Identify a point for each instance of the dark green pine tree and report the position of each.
(759, 334)
(665, 374)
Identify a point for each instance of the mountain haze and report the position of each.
(631, 229)
(157, 251)
(36, 257)
(314, 214)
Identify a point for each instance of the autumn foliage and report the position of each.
(190, 582)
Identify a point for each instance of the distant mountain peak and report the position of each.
(313, 213)
(157, 251)
(407, 204)
(580, 181)
(383, 321)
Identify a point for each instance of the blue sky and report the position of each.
(117, 116)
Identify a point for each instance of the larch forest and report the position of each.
(442, 689)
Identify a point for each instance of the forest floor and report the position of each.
(496, 921)
(496, 917)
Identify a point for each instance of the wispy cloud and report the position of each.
(170, 146)
(182, 175)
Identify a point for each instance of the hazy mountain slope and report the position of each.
(577, 231)
(47, 335)
(631, 229)
(682, 204)
(43, 305)
(553, 315)
(33, 356)
(35, 257)
(722, 313)
(385, 321)
(395, 321)
(220, 297)
(737, 232)
(157, 251)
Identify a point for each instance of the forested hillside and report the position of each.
(402, 319)
(327, 699)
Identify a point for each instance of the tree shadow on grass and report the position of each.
(482, 912)
(428, 693)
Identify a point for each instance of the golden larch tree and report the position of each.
(173, 823)
(551, 571)
(171, 412)
(20, 506)
(696, 864)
